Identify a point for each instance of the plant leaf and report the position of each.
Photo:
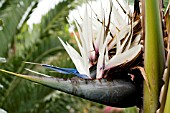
(154, 60)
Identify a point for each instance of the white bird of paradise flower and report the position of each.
(94, 48)
(98, 39)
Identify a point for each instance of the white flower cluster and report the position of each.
(105, 42)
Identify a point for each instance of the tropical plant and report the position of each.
(128, 29)
(116, 46)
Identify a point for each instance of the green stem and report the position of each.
(154, 55)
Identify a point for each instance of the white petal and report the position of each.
(84, 49)
(100, 66)
(78, 61)
(127, 41)
(102, 59)
(120, 35)
(81, 36)
(85, 30)
(100, 39)
(77, 40)
(136, 40)
(125, 6)
(124, 57)
(76, 58)
(130, 38)
(113, 29)
(87, 35)
(119, 51)
(118, 45)
(117, 19)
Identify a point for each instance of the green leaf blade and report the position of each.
(154, 55)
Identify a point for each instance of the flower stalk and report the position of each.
(154, 55)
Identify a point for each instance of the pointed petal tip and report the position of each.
(12, 73)
(31, 63)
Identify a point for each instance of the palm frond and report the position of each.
(15, 10)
